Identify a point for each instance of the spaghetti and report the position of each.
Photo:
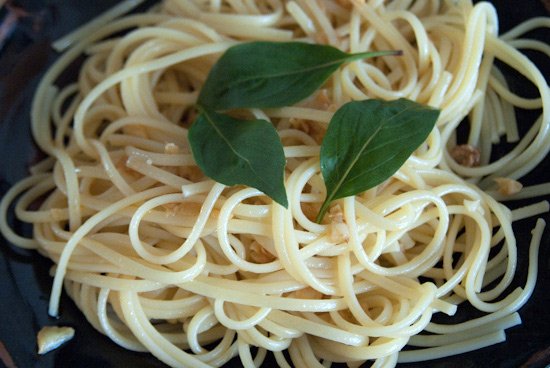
(162, 259)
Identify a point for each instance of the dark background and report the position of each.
(24, 281)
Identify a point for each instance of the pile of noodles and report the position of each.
(162, 259)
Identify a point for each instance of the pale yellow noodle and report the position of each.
(162, 259)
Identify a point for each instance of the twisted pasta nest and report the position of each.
(162, 259)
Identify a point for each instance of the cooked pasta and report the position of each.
(162, 259)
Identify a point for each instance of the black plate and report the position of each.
(24, 281)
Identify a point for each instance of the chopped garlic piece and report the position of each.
(507, 186)
(338, 230)
(473, 206)
(466, 155)
(171, 148)
(51, 337)
(347, 3)
(259, 254)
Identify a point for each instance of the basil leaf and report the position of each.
(233, 151)
(272, 74)
(367, 141)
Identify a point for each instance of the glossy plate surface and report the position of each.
(24, 282)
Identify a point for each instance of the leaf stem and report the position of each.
(371, 54)
(323, 210)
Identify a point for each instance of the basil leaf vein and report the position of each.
(272, 74)
(233, 151)
(368, 141)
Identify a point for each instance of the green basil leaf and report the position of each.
(368, 141)
(233, 151)
(272, 74)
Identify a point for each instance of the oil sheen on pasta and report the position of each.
(162, 259)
